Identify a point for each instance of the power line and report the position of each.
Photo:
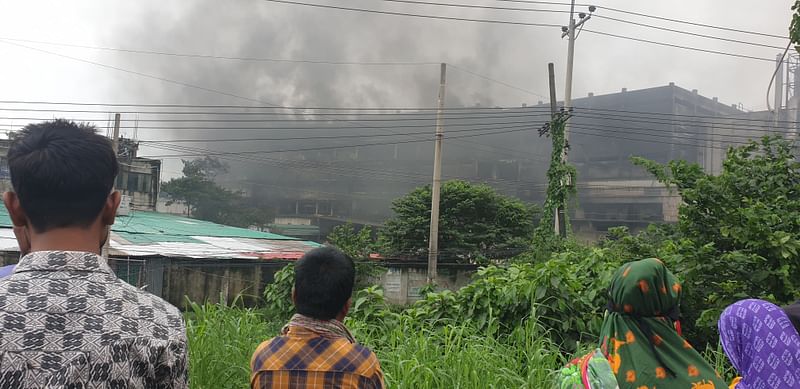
(348, 171)
(413, 15)
(694, 23)
(660, 133)
(167, 80)
(526, 128)
(251, 107)
(361, 136)
(145, 75)
(719, 117)
(644, 15)
(484, 7)
(297, 120)
(666, 136)
(650, 140)
(522, 24)
(224, 57)
(361, 111)
(700, 124)
(687, 32)
(596, 15)
(496, 81)
(678, 46)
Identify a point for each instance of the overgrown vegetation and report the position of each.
(516, 324)
(476, 223)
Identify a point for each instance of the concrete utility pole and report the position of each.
(433, 240)
(570, 33)
(778, 89)
(115, 146)
(553, 113)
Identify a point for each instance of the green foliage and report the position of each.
(278, 294)
(738, 233)
(560, 176)
(356, 244)
(476, 223)
(208, 201)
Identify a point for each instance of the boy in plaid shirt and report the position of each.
(315, 350)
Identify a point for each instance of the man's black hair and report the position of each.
(62, 173)
(323, 282)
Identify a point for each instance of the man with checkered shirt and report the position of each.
(66, 320)
(315, 350)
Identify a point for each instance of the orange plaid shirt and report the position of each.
(302, 359)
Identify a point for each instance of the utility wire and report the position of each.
(694, 23)
(644, 15)
(649, 140)
(412, 14)
(677, 46)
(347, 171)
(717, 137)
(503, 83)
(686, 32)
(522, 24)
(484, 7)
(526, 128)
(359, 136)
(391, 118)
(251, 107)
(723, 118)
(224, 57)
(689, 123)
(167, 80)
(595, 15)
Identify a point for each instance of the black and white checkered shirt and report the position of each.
(66, 321)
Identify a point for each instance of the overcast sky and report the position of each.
(517, 55)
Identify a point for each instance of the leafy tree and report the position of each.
(476, 223)
(356, 244)
(208, 201)
(739, 232)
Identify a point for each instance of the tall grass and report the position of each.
(221, 341)
(454, 355)
(413, 354)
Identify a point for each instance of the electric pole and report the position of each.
(551, 73)
(115, 146)
(433, 240)
(571, 35)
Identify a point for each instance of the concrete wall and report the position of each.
(402, 281)
(222, 280)
(216, 281)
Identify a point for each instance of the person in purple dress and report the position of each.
(762, 344)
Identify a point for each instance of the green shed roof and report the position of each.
(142, 227)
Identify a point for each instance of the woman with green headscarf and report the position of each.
(639, 335)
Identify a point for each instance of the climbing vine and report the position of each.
(560, 175)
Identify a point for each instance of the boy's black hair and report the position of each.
(323, 282)
(62, 173)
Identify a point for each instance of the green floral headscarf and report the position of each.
(638, 335)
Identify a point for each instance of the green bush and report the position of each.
(738, 233)
(278, 294)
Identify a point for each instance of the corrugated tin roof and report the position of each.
(150, 234)
(160, 224)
